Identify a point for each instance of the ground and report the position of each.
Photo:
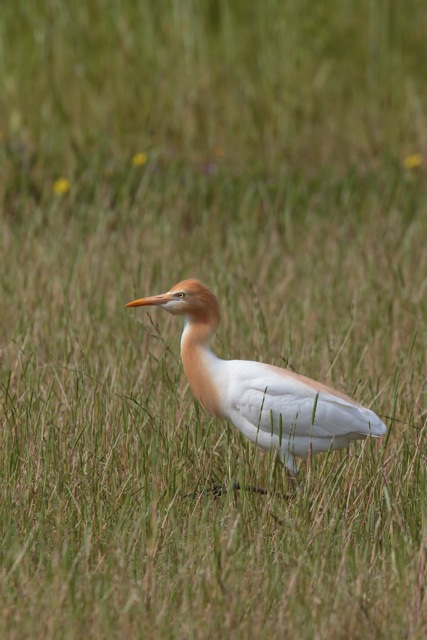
(277, 151)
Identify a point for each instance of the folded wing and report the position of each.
(277, 402)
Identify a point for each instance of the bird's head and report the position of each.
(189, 298)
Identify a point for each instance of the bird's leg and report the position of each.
(253, 489)
(217, 490)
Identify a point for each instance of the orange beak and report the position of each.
(151, 301)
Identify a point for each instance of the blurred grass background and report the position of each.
(277, 151)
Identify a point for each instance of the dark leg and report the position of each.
(217, 490)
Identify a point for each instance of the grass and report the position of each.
(275, 134)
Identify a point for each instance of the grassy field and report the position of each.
(277, 151)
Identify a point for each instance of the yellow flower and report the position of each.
(61, 186)
(413, 161)
(139, 159)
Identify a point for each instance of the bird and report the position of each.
(272, 406)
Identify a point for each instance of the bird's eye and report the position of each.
(180, 295)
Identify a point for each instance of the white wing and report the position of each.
(267, 403)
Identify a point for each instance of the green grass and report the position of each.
(276, 134)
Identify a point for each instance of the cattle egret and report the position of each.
(271, 406)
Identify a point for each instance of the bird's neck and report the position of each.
(200, 364)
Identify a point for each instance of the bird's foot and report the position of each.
(217, 490)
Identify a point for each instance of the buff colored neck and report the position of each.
(200, 363)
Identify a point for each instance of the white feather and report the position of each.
(271, 406)
(276, 408)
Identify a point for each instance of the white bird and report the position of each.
(272, 406)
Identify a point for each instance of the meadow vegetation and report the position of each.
(277, 151)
